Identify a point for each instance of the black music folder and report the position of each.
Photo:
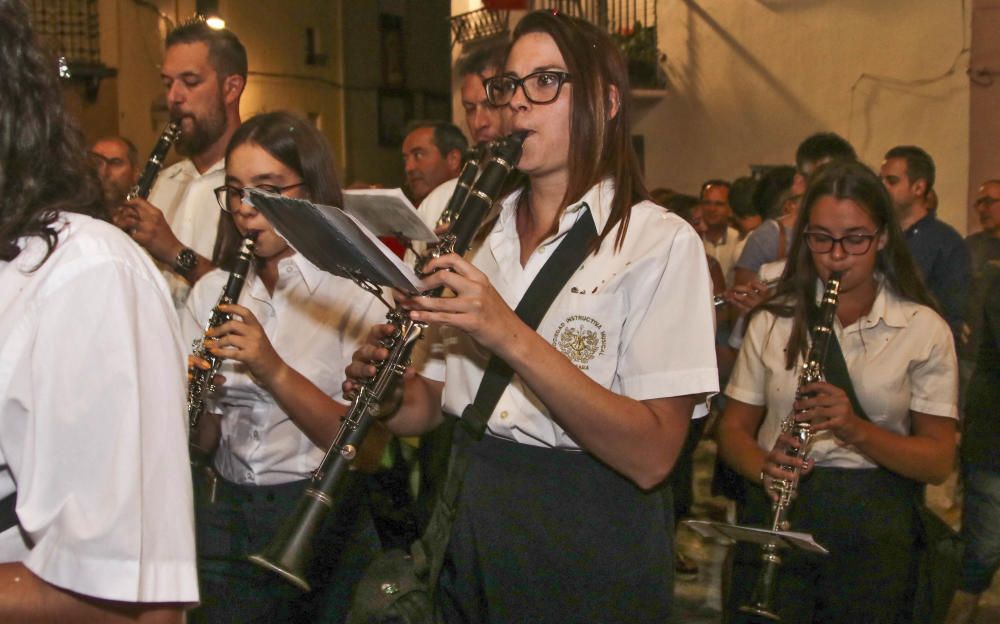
(335, 241)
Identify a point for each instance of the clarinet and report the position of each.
(762, 601)
(465, 180)
(288, 554)
(167, 138)
(200, 384)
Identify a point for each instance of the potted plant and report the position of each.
(638, 44)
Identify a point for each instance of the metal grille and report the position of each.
(68, 28)
(614, 16)
(479, 24)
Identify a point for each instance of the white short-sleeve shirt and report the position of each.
(92, 423)
(315, 321)
(638, 320)
(187, 200)
(900, 356)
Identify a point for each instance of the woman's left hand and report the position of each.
(242, 338)
(477, 308)
(828, 408)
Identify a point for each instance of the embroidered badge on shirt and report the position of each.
(581, 339)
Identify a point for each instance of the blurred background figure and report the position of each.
(116, 161)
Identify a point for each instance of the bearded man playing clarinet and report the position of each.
(204, 73)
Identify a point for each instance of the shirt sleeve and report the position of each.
(104, 487)
(761, 246)
(668, 345)
(951, 280)
(747, 380)
(934, 375)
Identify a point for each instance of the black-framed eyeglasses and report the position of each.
(540, 87)
(852, 244)
(230, 197)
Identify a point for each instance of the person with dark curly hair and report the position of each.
(97, 519)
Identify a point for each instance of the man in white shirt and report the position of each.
(204, 73)
(432, 153)
(482, 119)
(95, 488)
(722, 241)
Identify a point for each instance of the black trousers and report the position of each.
(242, 521)
(545, 535)
(865, 518)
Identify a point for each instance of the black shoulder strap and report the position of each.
(836, 373)
(531, 309)
(835, 368)
(430, 549)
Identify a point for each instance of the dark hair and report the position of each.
(714, 182)
(919, 164)
(225, 52)
(797, 289)
(447, 136)
(823, 146)
(741, 197)
(298, 145)
(772, 189)
(43, 170)
(481, 58)
(682, 205)
(600, 145)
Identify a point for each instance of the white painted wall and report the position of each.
(749, 79)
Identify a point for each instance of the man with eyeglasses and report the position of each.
(204, 72)
(908, 174)
(116, 161)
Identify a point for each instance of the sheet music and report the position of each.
(786, 539)
(334, 241)
(387, 212)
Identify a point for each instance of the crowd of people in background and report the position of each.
(571, 479)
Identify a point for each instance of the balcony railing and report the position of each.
(70, 29)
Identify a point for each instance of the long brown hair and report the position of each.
(600, 145)
(797, 289)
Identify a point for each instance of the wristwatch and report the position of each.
(185, 261)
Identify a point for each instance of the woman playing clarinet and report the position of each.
(559, 518)
(861, 482)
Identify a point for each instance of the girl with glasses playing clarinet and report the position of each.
(559, 518)
(864, 472)
(293, 331)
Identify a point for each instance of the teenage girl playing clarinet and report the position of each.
(293, 332)
(862, 475)
(556, 519)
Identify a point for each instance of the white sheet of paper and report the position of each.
(387, 212)
(787, 539)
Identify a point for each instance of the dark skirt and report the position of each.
(545, 535)
(865, 518)
(242, 521)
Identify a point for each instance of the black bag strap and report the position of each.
(835, 367)
(546, 286)
(531, 309)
